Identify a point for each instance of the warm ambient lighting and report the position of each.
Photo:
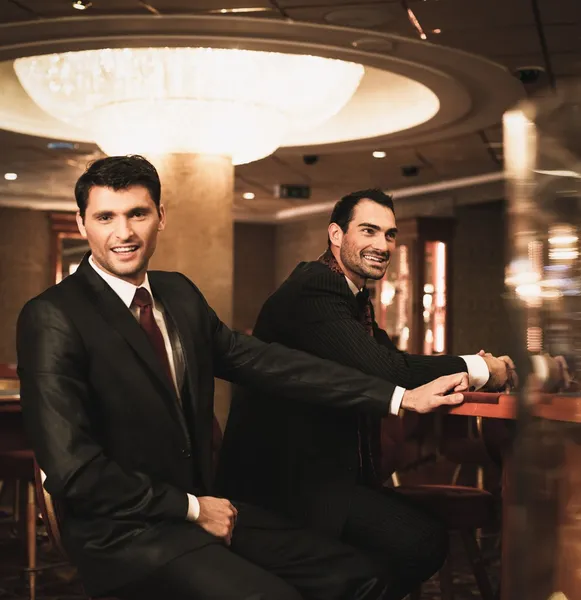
(10, 176)
(560, 173)
(248, 195)
(519, 145)
(562, 234)
(239, 103)
(248, 9)
(415, 22)
(387, 293)
(379, 154)
(81, 5)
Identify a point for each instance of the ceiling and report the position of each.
(513, 33)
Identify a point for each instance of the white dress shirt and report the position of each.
(126, 291)
(478, 373)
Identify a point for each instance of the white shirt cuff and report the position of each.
(396, 399)
(540, 367)
(193, 508)
(478, 373)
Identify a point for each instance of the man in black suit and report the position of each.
(117, 371)
(320, 466)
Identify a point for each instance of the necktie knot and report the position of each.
(142, 298)
(363, 296)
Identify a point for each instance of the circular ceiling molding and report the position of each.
(459, 92)
(361, 16)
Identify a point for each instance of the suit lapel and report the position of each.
(183, 325)
(120, 318)
(335, 281)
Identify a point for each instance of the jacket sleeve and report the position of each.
(325, 326)
(293, 374)
(53, 369)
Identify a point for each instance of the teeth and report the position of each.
(373, 258)
(124, 250)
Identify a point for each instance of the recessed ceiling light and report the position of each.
(82, 4)
(10, 176)
(436, 31)
(379, 154)
(248, 195)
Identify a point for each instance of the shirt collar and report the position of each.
(124, 289)
(352, 286)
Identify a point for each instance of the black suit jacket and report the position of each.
(301, 459)
(119, 452)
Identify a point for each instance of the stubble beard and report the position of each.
(355, 263)
(127, 271)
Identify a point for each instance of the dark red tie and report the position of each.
(369, 435)
(365, 310)
(143, 300)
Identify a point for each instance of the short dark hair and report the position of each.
(343, 211)
(118, 173)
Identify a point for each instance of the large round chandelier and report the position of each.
(239, 103)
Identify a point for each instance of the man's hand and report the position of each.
(217, 516)
(566, 379)
(502, 371)
(557, 377)
(432, 395)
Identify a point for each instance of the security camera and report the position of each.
(410, 171)
(310, 159)
(529, 75)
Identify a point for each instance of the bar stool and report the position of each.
(50, 513)
(17, 465)
(462, 509)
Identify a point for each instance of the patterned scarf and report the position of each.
(369, 428)
(363, 300)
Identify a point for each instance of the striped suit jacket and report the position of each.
(301, 459)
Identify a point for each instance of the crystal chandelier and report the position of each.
(239, 103)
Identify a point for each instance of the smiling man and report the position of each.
(122, 246)
(117, 367)
(319, 466)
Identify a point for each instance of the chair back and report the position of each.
(49, 511)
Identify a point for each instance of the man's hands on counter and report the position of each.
(443, 391)
(503, 375)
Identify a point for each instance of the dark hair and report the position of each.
(118, 173)
(343, 211)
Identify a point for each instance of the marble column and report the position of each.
(197, 192)
(25, 269)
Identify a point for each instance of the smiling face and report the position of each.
(121, 228)
(364, 250)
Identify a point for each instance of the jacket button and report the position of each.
(186, 453)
